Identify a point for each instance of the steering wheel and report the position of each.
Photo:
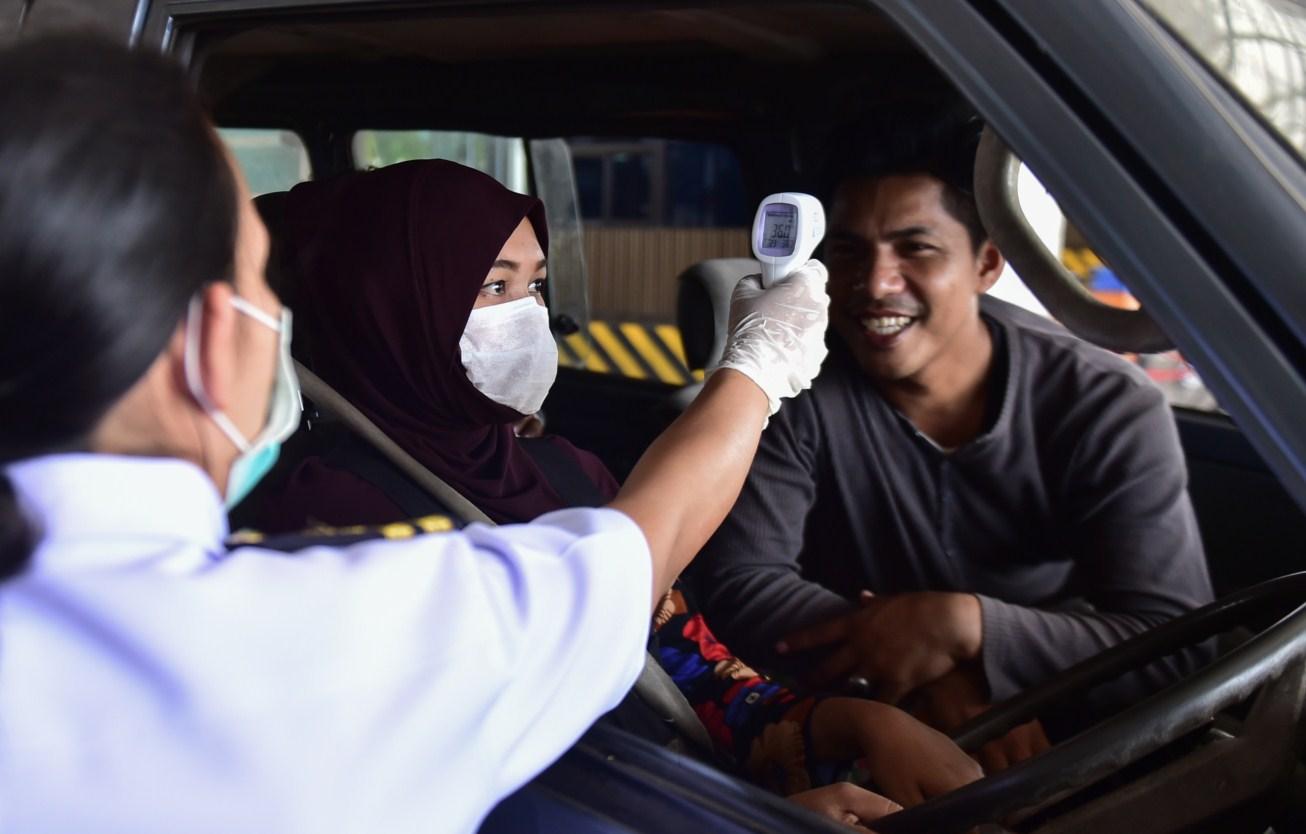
(1223, 774)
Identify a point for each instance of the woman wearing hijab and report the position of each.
(423, 304)
(154, 678)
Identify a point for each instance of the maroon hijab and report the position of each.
(390, 263)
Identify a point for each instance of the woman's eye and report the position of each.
(494, 288)
(537, 286)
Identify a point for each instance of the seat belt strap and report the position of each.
(659, 692)
(329, 399)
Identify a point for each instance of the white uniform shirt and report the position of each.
(150, 680)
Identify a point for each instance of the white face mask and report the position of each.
(256, 457)
(509, 353)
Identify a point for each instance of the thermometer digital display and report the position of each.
(786, 231)
(779, 227)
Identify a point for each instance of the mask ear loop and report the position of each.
(195, 380)
(285, 412)
(265, 319)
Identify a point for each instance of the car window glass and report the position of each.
(1256, 46)
(649, 208)
(502, 157)
(272, 160)
(1168, 370)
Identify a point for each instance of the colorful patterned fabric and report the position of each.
(752, 720)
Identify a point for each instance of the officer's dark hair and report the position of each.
(937, 141)
(116, 205)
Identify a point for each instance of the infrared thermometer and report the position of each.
(786, 231)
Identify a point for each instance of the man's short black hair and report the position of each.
(938, 142)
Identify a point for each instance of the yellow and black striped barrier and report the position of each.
(636, 350)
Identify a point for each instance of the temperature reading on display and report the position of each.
(778, 231)
(786, 229)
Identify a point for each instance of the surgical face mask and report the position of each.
(258, 456)
(509, 353)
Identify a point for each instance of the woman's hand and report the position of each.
(906, 759)
(846, 804)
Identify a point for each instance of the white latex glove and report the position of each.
(777, 335)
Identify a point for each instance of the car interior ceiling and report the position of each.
(672, 73)
(695, 70)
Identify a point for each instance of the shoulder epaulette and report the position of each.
(340, 536)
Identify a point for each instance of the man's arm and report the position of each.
(747, 577)
(1137, 557)
(1137, 550)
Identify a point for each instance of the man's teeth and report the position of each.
(886, 325)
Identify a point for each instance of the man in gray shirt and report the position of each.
(969, 498)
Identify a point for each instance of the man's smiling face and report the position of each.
(905, 277)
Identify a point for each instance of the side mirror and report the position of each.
(1055, 286)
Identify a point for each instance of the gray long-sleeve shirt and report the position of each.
(1069, 516)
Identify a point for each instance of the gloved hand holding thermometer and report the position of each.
(778, 318)
(786, 231)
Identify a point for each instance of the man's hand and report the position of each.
(961, 695)
(898, 642)
(845, 803)
(906, 759)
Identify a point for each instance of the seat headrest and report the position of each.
(271, 207)
(703, 307)
(281, 274)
